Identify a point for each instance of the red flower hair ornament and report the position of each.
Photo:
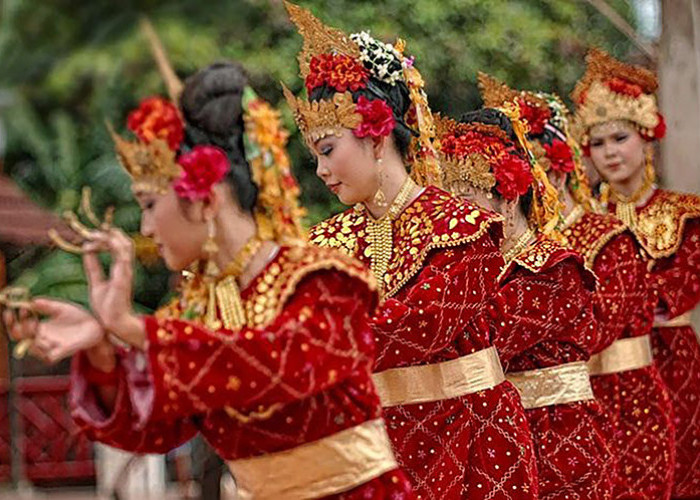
(560, 156)
(157, 118)
(377, 118)
(202, 168)
(513, 177)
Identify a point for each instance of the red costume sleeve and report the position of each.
(319, 338)
(678, 277)
(440, 304)
(548, 314)
(119, 427)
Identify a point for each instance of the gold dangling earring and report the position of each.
(649, 170)
(211, 273)
(379, 196)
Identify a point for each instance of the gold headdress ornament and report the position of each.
(151, 166)
(278, 212)
(611, 90)
(318, 38)
(328, 117)
(462, 174)
(545, 213)
(496, 93)
(322, 118)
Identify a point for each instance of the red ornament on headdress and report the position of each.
(202, 168)
(377, 118)
(535, 116)
(157, 118)
(560, 156)
(338, 71)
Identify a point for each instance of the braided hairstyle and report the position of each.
(212, 108)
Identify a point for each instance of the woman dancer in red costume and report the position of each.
(541, 317)
(457, 427)
(267, 350)
(617, 119)
(624, 376)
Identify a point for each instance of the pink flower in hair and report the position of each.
(377, 118)
(202, 168)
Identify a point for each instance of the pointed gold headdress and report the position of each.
(359, 57)
(611, 90)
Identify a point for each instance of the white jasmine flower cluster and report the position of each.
(381, 59)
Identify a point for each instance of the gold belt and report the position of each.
(682, 320)
(622, 355)
(450, 379)
(330, 465)
(555, 385)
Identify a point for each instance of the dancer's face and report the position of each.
(617, 151)
(348, 166)
(177, 227)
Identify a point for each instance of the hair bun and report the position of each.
(212, 107)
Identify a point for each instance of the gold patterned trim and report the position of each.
(561, 384)
(682, 320)
(622, 355)
(328, 466)
(439, 241)
(592, 234)
(274, 289)
(661, 223)
(474, 372)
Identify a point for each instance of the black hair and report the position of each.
(396, 96)
(212, 107)
(492, 116)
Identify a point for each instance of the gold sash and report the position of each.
(330, 465)
(450, 379)
(682, 320)
(555, 385)
(622, 355)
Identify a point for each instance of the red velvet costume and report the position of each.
(636, 400)
(443, 269)
(299, 371)
(669, 230)
(542, 317)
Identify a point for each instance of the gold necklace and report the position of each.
(225, 296)
(520, 245)
(626, 206)
(380, 234)
(241, 260)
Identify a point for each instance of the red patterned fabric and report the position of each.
(444, 267)
(678, 283)
(669, 228)
(299, 371)
(637, 401)
(542, 316)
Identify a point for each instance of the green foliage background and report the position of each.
(72, 64)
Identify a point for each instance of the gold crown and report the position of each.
(318, 38)
(597, 103)
(151, 166)
(496, 93)
(473, 170)
(319, 119)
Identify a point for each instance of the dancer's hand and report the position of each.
(68, 329)
(111, 298)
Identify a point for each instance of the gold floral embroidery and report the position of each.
(434, 220)
(660, 224)
(590, 233)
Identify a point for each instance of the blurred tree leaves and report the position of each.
(72, 64)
